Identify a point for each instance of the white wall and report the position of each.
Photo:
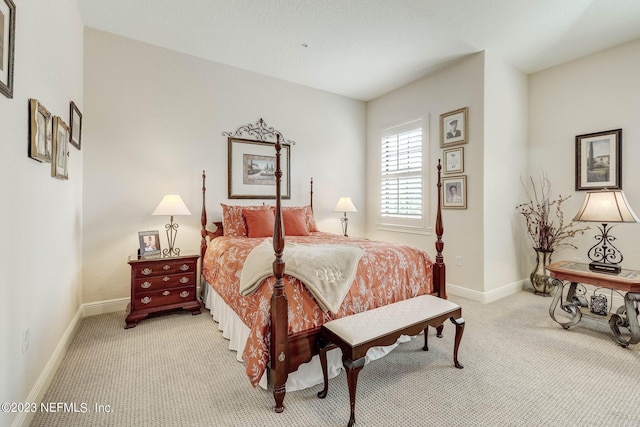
(505, 151)
(154, 120)
(597, 93)
(40, 256)
(460, 85)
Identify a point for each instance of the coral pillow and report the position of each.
(295, 223)
(308, 214)
(233, 221)
(259, 222)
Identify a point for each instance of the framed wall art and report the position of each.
(599, 160)
(60, 155)
(454, 127)
(7, 46)
(75, 124)
(454, 160)
(149, 244)
(251, 169)
(454, 190)
(40, 132)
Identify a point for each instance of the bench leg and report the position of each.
(353, 369)
(322, 352)
(426, 336)
(459, 330)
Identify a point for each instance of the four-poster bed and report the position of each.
(291, 342)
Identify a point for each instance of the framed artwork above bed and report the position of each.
(252, 169)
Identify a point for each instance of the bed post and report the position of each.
(439, 269)
(311, 195)
(203, 220)
(279, 310)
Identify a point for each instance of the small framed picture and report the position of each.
(7, 46)
(599, 160)
(149, 244)
(75, 121)
(40, 132)
(454, 160)
(454, 128)
(60, 155)
(454, 192)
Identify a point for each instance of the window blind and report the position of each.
(402, 183)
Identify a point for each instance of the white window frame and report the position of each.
(399, 223)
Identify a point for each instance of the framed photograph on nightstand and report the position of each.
(149, 244)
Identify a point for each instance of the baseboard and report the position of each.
(44, 380)
(102, 307)
(486, 297)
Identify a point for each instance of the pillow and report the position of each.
(308, 214)
(259, 222)
(232, 220)
(295, 223)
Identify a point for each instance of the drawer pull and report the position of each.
(184, 280)
(166, 278)
(184, 267)
(166, 267)
(184, 294)
(165, 293)
(146, 271)
(145, 300)
(146, 285)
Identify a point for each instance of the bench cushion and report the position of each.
(369, 325)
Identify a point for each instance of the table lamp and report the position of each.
(605, 206)
(171, 205)
(345, 205)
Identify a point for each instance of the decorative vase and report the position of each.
(539, 277)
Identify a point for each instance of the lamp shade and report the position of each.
(345, 205)
(606, 206)
(171, 205)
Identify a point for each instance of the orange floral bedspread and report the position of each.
(386, 273)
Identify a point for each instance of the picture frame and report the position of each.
(251, 169)
(599, 160)
(454, 127)
(7, 46)
(454, 192)
(149, 244)
(75, 125)
(453, 160)
(40, 132)
(60, 153)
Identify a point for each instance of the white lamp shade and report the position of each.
(171, 205)
(345, 205)
(605, 207)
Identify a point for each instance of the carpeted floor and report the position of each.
(521, 369)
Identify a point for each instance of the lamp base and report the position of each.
(601, 267)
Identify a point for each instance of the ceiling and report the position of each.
(365, 48)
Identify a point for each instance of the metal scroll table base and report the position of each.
(626, 316)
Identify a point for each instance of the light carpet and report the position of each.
(521, 369)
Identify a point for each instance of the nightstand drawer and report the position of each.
(154, 283)
(164, 297)
(169, 266)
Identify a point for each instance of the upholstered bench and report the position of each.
(382, 326)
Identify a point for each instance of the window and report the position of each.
(402, 179)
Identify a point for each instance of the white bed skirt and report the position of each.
(308, 374)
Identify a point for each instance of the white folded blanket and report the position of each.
(327, 270)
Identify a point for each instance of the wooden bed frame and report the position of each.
(288, 352)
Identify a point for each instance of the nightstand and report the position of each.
(162, 284)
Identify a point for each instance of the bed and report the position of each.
(275, 329)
